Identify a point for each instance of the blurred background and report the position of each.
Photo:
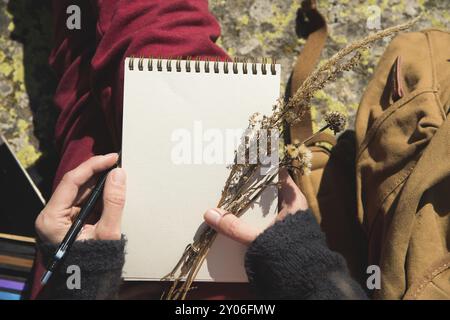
(252, 28)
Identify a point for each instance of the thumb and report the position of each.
(109, 225)
(231, 226)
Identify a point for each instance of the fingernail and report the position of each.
(118, 176)
(212, 217)
(110, 155)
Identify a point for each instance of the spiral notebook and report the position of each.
(180, 122)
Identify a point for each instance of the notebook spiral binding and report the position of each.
(216, 66)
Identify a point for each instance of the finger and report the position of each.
(84, 191)
(73, 213)
(67, 190)
(109, 225)
(86, 233)
(290, 197)
(231, 226)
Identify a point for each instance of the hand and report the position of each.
(56, 218)
(291, 200)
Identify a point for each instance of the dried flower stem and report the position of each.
(328, 69)
(314, 135)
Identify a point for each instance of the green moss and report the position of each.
(231, 51)
(314, 119)
(5, 69)
(436, 23)
(340, 39)
(353, 106)
(321, 100)
(261, 39)
(12, 113)
(18, 75)
(18, 95)
(280, 20)
(386, 4)
(22, 126)
(344, 13)
(331, 102)
(27, 155)
(421, 3)
(244, 20)
(25, 151)
(446, 16)
(301, 41)
(11, 26)
(360, 11)
(365, 57)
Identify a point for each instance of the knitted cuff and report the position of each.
(89, 255)
(288, 260)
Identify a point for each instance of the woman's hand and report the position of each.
(55, 220)
(291, 200)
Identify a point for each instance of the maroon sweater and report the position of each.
(89, 65)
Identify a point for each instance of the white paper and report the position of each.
(166, 201)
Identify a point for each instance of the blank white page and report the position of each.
(168, 111)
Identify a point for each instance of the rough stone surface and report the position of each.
(250, 28)
(265, 28)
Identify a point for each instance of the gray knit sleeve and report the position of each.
(291, 260)
(100, 264)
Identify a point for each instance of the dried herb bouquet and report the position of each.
(245, 183)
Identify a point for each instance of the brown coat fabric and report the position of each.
(403, 167)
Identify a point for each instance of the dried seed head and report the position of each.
(292, 151)
(302, 155)
(305, 158)
(305, 154)
(336, 121)
(253, 121)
